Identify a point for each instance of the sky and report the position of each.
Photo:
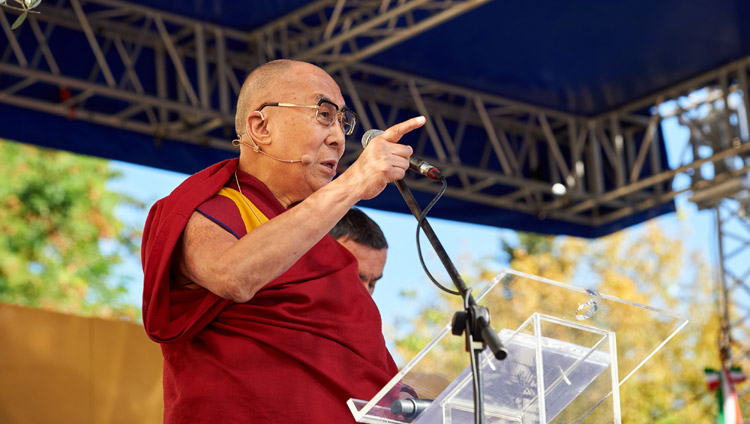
(466, 244)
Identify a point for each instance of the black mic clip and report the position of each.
(481, 331)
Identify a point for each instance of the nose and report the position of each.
(337, 138)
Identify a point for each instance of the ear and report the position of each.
(257, 128)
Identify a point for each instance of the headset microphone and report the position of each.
(304, 159)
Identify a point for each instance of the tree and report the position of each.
(56, 222)
(644, 266)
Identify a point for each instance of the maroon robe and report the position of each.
(304, 344)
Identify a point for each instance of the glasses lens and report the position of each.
(348, 121)
(327, 113)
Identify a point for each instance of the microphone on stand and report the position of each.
(415, 164)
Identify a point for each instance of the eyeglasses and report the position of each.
(326, 112)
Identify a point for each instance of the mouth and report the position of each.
(330, 164)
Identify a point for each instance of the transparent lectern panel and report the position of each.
(527, 387)
(569, 351)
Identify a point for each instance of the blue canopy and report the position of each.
(575, 61)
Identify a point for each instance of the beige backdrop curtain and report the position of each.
(57, 368)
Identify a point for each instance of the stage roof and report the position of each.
(541, 113)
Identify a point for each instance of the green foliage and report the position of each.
(21, 18)
(531, 243)
(24, 6)
(56, 223)
(645, 266)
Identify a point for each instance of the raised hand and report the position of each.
(384, 160)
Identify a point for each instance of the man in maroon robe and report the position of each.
(256, 307)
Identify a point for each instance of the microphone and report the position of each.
(409, 408)
(415, 164)
(304, 159)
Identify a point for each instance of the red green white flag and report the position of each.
(724, 380)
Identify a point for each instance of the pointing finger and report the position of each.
(394, 133)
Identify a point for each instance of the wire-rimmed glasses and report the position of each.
(326, 112)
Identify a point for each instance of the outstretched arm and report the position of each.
(237, 269)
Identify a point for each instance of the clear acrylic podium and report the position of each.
(569, 351)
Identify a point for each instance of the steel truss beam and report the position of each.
(600, 161)
(527, 150)
(336, 33)
(733, 231)
(718, 121)
(177, 78)
(199, 66)
(183, 90)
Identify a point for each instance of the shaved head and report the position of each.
(290, 139)
(258, 86)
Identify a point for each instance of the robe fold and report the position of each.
(304, 344)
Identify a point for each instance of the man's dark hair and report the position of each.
(360, 228)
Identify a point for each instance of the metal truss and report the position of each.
(718, 120)
(535, 160)
(336, 33)
(733, 230)
(176, 78)
(199, 67)
(588, 170)
(184, 92)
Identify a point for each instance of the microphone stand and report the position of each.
(473, 321)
